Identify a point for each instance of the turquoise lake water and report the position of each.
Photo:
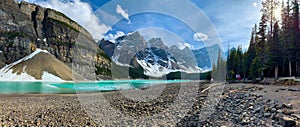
(50, 87)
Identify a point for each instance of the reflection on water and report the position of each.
(50, 87)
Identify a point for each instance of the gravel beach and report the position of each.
(189, 104)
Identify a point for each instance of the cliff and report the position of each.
(25, 26)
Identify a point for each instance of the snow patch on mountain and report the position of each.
(9, 75)
(155, 70)
(50, 77)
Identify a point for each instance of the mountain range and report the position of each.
(155, 57)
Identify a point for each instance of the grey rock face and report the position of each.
(25, 26)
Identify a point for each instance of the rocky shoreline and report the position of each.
(239, 105)
(244, 107)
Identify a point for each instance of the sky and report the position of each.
(185, 23)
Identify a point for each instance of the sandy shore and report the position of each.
(192, 104)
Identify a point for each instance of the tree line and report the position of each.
(274, 49)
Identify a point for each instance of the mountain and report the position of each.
(155, 58)
(127, 47)
(156, 62)
(25, 26)
(108, 47)
(208, 56)
(202, 57)
(40, 65)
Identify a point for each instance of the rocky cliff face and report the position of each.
(108, 47)
(127, 47)
(25, 26)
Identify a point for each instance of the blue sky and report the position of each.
(232, 19)
(193, 23)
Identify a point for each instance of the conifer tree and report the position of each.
(250, 54)
(268, 9)
(289, 38)
(260, 47)
(296, 34)
(275, 52)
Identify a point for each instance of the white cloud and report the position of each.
(200, 36)
(106, 17)
(183, 45)
(122, 12)
(80, 12)
(113, 37)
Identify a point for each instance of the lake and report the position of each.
(68, 87)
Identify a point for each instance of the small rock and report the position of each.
(276, 125)
(246, 121)
(278, 116)
(296, 116)
(267, 114)
(251, 107)
(282, 89)
(285, 111)
(278, 107)
(293, 90)
(273, 110)
(288, 106)
(287, 122)
(260, 87)
(257, 109)
(251, 104)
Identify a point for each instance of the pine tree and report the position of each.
(295, 15)
(250, 54)
(289, 37)
(275, 52)
(283, 33)
(295, 32)
(231, 66)
(239, 59)
(268, 9)
(260, 47)
(219, 70)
